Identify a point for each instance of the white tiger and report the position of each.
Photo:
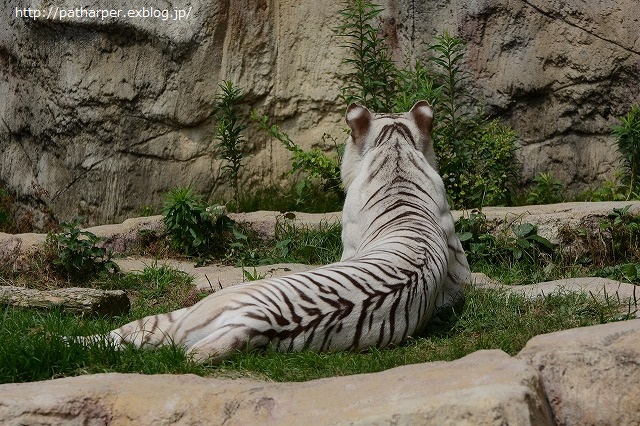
(401, 261)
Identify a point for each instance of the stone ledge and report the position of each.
(493, 387)
(571, 377)
(549, 218)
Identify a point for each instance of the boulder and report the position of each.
(484, 388)
(591, 375)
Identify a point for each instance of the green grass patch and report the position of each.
(490, 319)
(32, 348)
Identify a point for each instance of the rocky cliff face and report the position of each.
(102, 115)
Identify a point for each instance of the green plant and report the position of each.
(246, 248)
(547, 190)
(483, 169)
(194, 227)
(626, 271)
(476, 156)
(311, 245)
(372, 79)
(628, 140)
(526, 244)
(476, 238)
(315, 163)
(454, 100)
(77, 254)
(621, 233)
(229, 130)
(606, 242)
(252, 275)
(610, 190)
(517, 243)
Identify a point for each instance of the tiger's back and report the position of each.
(401, 261)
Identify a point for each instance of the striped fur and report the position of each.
(401, 261)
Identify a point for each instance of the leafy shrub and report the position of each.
(483, 169)
(194, 227)
(315, 163)
(520, 243)
(621, 232)
(625, 271)
(476, 238)
(547, 190)
(607, 241)
(76, 252)
(628, 140)
(229, 130)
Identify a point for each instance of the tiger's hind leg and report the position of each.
(148, 332)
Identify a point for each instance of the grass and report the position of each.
(33, 350)
(491, 319)
(32, 346)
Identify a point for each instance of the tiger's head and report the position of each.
(368, 132)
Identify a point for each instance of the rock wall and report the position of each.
(100, 117)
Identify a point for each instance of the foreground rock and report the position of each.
(591, 375)
(86, 301)
(493, 389)
(575, 377)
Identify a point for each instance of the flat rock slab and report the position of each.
(551, 218)
(624, 294)
(591, 375)
(484, 388)
(213, 277)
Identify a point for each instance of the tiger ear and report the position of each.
(359, 120)
(422, 114)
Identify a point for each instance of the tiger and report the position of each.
(401, 262)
